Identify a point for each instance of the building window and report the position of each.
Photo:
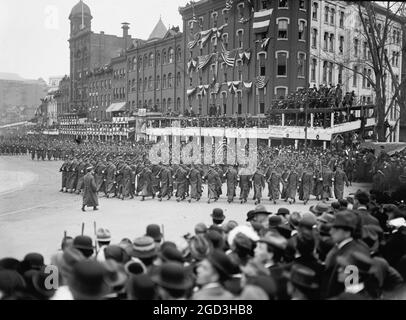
(341, 45)
(224, 101)
(282, 64)
(239, 102)
(332, 16)
(170, 81)
(326, 10)
(164, 82)
(264, 4)
(324, 71)
(151, 60)
(224, 72)
(280, 92)
(178, 80)
(190, 81)
(302, 33)
(225, 40)
(262, 64)
(214, 17)
(313, 70)
(282, 29)
(355, 77)
(340, 74)
(330, 73)
(164, 105)
(179, 55)
(364, 77)
(164, 56)
(315, 10)
(341, 19)
(302, 5)
(283, 4)
(145, 83)
(301, 65)
(314, 38)
(369, 77)
(150, 85)
(178, 106)
(169, 104)
(171, 55)
(331, 42)
(225, 16)
(240, 9)
(240, 37)
(158, 82)
(325, 41)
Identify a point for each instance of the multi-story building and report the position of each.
(155, 74)
(89, 51)
(62, 96)
(339, 52)
(100, 92)
(242, 55)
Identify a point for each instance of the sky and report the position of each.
(34, 33)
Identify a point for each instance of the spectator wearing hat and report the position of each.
(89, 190)
(302, 284)
(212, 273)
(218, 217)
(216, 239)
(319, 208)
(103, 239)
(361, 201)
(66, 242)
(261, 215)
(88, 281)
(173, 281)
(342, 234)
(12, 284)
(141, 287)
(36, 284)
(145, 249)
(116, 279)
(200, 228)
(32, 261)
(242, 249)
(367, 285)
(154, 231)
(84, 244)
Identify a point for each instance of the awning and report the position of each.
(115, 107)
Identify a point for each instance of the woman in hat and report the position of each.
(90, 190)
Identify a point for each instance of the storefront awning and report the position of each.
(115, 107)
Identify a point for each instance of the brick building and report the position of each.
(240, 55)
(88, 51)
(62, 96)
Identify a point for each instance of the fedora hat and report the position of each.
(170, 253)
(33, 261)
(200, 247)
(144, 247)
(320, 208)
(261, 209)
(250, 215)
(345, 219)
(221, 263)
(83, 242)
(103, 235)
(172, 275)
(302, 276)
(116, 253)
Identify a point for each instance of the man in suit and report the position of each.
(342, 233)
(212, 273)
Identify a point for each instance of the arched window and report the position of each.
(163, 56)
(177, 104)
(178, 80)
(170, 81)
(179, 54)
(139, 63)
(164, 82)
(163, 105)
(169, 104)
(150, 103)
(171, 55)
(158, 59)
(139, 84)
(134, 63)
(158, 82)
(158, 105)
(145, 61)
(151, 60)
(145, 83)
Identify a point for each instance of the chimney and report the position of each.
(125, 27)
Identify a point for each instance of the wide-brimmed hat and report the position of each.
(154, 231)
(274, 221)
(200, 228)
(308, 220)
(144, 247)
(250, 215)
(302, 276)
(116, 253)
(141, 287)
(115, 273)
(135, 267)
(243, 242)
(221, 263)
(283, 212)
(103, 235)
(172, 275)
(218, 214)
(33, 261)
(261, 209)
(170, 253)
(88, 280)
(320, 208)
(326, 218)
(345, 219)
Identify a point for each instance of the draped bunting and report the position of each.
(265, 43)
(216, 88)
(262, 20)
(229, 4)
(245, 56)
(247, 86)
(205, 35)
(191, 65)
(203, 60)
(203, 89)
(233, 86)
(261, 82)
(190, 92)
(192, 43)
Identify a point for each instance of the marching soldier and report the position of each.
(327, 176)
(231, 177)
(110, 178)
(181, 183)
(146, 174)
(195, 180)
(274, 182)
(64, 169)
(339, 179)
(245, 184)
(292, 183)
(307, 183)
(213, 180)
(165, 178)
(258, 180)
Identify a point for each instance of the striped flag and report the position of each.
(193, 42)
(205, 35)
(227, 57)
(203, 61)
(262, 20)
(261, 82)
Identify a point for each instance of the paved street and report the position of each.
(34, 215)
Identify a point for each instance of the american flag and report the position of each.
(262, 20)
(203, 61)
(229, 4)
(227, 58)
(261, 82)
